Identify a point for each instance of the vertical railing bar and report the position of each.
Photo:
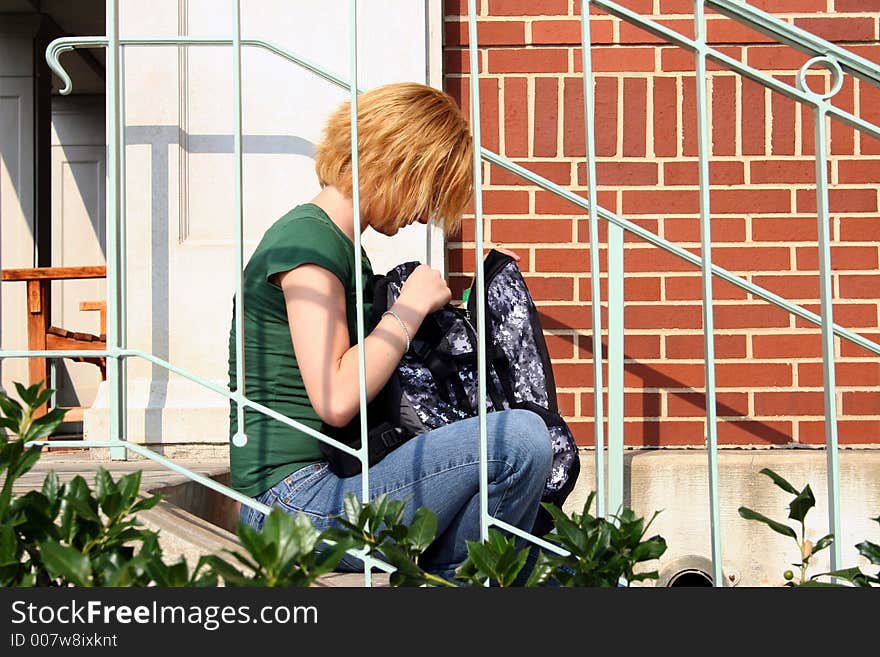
(826, 301)
(114, 291)
(123, 252)
(364, 454)
(615, 368)
(707, 305)
(240, 438)
(478, 266)
(595, 289)
(53, 380)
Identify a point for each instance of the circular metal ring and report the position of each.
(828, 63)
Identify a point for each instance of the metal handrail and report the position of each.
(797, 38)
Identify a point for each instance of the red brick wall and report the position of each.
(763, 208)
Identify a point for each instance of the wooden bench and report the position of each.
(43, 336)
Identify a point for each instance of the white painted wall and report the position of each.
(78, 230)
(16, 184)
(180, 186)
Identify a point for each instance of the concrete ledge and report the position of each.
(675, 482)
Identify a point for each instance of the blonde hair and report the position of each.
(415, 155)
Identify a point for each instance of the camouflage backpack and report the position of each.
(435, 382)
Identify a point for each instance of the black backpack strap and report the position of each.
(444, 369)
(501, 364)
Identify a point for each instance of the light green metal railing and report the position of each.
(610, 495)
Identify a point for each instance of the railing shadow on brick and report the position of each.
(651, 405)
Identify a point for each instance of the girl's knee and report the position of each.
(529, 437)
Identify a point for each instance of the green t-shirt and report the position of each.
(305, 235)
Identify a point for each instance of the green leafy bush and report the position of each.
(66, 534)
(603, 552)
(283, 553)
(497, 560)
(378, 528)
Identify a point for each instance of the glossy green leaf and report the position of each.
(778, 527)
(301, 537)
(510, 565)
(481, 557)
(802, 504)
(129, 486)
(251, 541)
(9, 453)
(42, 397)
(376, 510)
(330, 556)
(823, 543)
(779, 481)
(83, 508)
(26, 394)
(111, 504)
(569, 535)
(250, 566)
(104, 484)
(870, 551)
(66, 563)
(810, 584)
(853, 574)
(230, 574)
(111, 568)
(653, 548)
(423, 529)
(407, 573)
(45, 425)
(351, 507)
(541, 572)
(26, 461)
(36, 516)
(497, 541)
(8, 545)
(10, 407)
(146, 503)
(556, 513)
(51, 486)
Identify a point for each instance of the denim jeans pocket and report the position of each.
(293, 484)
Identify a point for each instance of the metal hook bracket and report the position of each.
(62, 45)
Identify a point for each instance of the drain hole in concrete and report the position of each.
(690, 578)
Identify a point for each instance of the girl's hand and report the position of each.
(508, 252)
(425, 290)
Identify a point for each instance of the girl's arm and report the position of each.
(316, 313)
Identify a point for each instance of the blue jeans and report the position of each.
(440, 470)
